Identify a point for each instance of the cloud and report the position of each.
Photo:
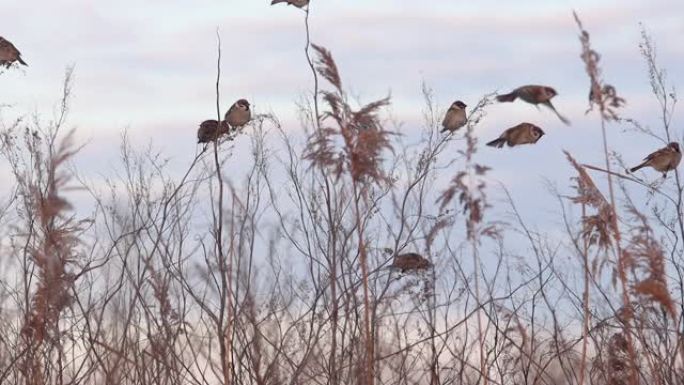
(150, 66)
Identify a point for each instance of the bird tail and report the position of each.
(21, 61)
(498, 143)
(278, 1)
(507, 97)
(637, 167)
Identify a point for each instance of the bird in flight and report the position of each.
(523, 133)
(536, 95)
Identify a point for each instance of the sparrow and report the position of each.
(664, 160)
(238, 114)
(534, 95)
(410, 261)
(209, 130)
(523, 133)
(455, 117)
(9, 53)
(296, 3)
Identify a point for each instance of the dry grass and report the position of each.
(280, 274)
(364, 139)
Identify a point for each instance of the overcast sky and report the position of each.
(149, 67)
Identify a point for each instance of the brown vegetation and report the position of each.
(288, 273)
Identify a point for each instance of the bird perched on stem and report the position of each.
(238, 114)
(210, 130)
(296, 3)
(9, 53)
(410, 262)
(534, 95)
(523, 133)
(664, 160)
(455, 117)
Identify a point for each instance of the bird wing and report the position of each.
(534, 91)
(514, 134)
(7, 46)
(8, 52)
(657, 154)
(5, 49)
(445, 121)
(561, 117)
(230, 111)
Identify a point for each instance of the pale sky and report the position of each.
(149, 67)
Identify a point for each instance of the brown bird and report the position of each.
(523, 133)
(238, 114)
(9, 53)
(664, 160)
(536, 95)
(209, 130)
(410, 262)
(296, 3)
(455, 117)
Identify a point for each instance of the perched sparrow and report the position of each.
(523, 133)
(209, 130)
(455, 117)
(410, 262)
(9, 53)
(238, 114)
(296, 3)
(663, 160)
(534, 95)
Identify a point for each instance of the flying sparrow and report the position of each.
(534, 95)
(9, 53)
(410, 262)
(664, 160)
(209, 130)
(238, 114)
(523, 133)
(455, 117)
(296, 3)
